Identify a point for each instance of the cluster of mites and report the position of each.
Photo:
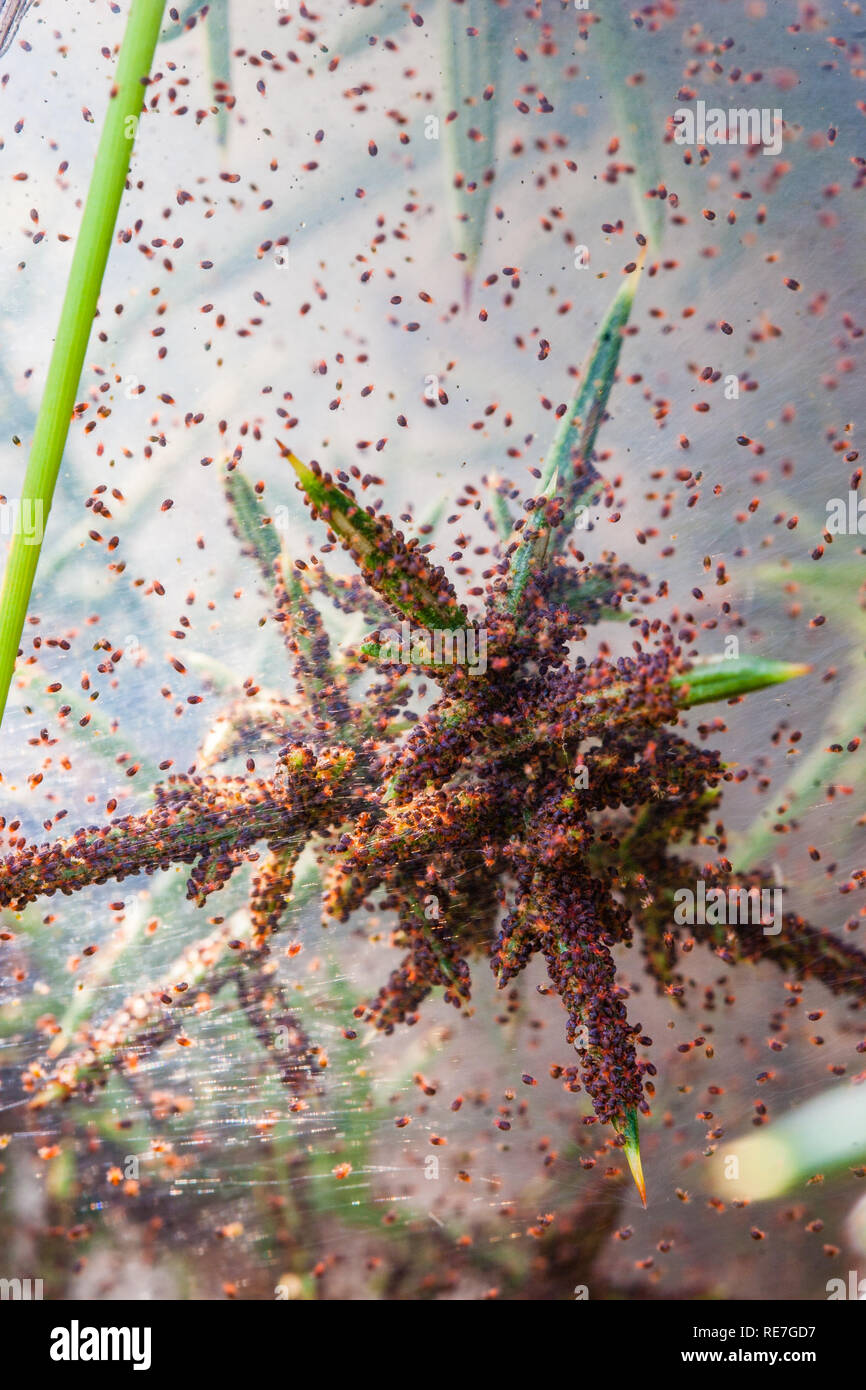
(554, 789)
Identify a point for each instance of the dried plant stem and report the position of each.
(208, 821)
(143, 1022)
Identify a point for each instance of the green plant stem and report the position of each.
(76, 320)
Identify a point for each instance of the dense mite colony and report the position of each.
(536, 807)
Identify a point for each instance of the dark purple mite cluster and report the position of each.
(536, 809)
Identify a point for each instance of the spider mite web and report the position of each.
(289, 263)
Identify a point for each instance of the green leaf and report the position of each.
(10, 19)
(532, 551)
(502, 518)
(258, 538)
(433, 517)
(826, 1133)
(219, 61)
(627, 1129)
(591, 594)
(424, 657)
(319, 682)
(302, 628)
(96, 742)
(178, 26)
(472, 38)
(569, 459)
(820, 765)
(617, 41)
(726, 678)
(397, 570)
(217, 47)
(571, 451)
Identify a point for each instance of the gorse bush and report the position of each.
(552, 785)
(479, 749)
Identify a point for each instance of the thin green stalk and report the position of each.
(76, 321)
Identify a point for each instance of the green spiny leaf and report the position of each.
(423, 654)
(258, 539)
(319, 680)
(575, 439)
(502, 518)
(627, 1128)
(725, 678)
(399, 572)
(570, 454)
(532, 551)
